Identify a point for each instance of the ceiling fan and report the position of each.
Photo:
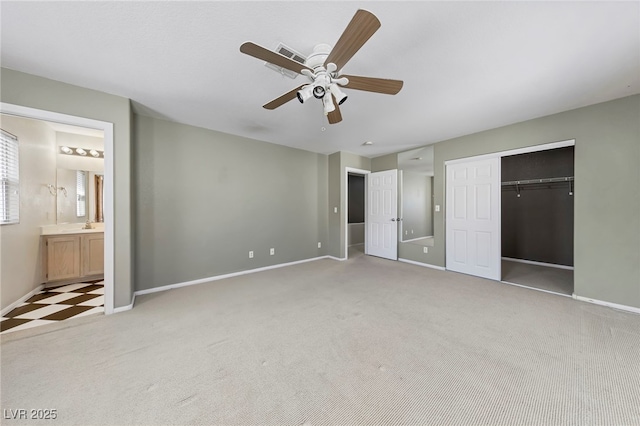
(322, 68)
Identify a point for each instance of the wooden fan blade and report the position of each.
(378, 85)
(279, 101)
(335, 116)
(267, 55)
(362, 26)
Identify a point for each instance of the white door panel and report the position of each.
(473, 218)
(382, 226)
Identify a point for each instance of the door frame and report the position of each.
(354, 171)
(107, 128)
(524, 150)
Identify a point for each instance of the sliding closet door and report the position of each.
(473, 217)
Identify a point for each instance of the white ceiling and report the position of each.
(467, 66)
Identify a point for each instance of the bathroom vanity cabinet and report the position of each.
(92, 257)
(69, 257)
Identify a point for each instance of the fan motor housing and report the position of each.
(318, 56)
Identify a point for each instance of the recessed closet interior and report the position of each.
(537, 219)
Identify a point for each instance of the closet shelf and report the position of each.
(544, 180)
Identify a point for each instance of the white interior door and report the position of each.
(473, 218)
(382, 214)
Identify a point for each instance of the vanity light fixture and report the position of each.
(81, 152)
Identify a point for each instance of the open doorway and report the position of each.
(537, 219)
(355, 214)
(81, 196)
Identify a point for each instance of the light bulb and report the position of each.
(328, 103)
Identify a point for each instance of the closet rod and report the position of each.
(545, 180)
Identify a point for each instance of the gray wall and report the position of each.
(41, 93)
(205, 199)
(607, 207)
(20, 251)
(384, 162)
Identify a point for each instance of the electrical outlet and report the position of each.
(425, 249)
(335, 210)
(251, 254)
(272, 251)
(319, 244)
(437, 207)
(406, 232)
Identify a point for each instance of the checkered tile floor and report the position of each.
(56, 304)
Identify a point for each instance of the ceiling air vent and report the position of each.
(289, 53)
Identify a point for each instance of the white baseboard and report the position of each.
(536, 289)
(356, 244)
(416, 239)
(21, 300)
(126, 307)
(426, 265)
(532, 262)
(221, 277)
(608, 304)
(339, 259)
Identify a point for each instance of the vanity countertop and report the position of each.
(71, 228)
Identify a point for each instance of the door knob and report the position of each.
(393, 219)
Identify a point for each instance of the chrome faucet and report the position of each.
(88, 225)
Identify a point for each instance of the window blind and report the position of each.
(9, 179)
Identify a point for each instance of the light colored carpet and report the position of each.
(537, 276)
(365, 341)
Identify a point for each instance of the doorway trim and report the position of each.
(364, 173)
(39, 114)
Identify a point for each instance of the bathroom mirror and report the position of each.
(416, 196)
(79, 196)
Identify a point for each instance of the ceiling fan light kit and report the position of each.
(305, 93)
(323, 65)
(327, 103)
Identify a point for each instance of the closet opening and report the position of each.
(537, 226)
